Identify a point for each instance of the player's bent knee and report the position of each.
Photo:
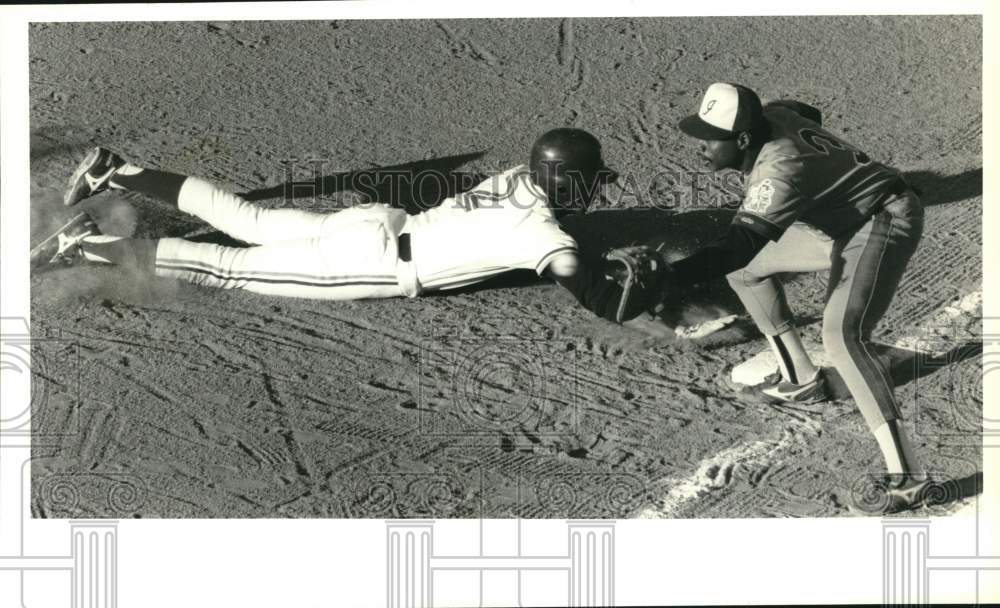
(741, 278)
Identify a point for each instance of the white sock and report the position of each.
(897, 451)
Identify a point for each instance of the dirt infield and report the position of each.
(163, 399)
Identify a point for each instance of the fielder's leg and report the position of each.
(868, 266)
(800, 249)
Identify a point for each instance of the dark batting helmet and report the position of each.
(567, 165)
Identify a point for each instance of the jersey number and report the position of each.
(822, 143)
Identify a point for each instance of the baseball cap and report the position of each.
(726, 109)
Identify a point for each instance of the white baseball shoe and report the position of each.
(92, 175)
(65, 245)
(778, 390)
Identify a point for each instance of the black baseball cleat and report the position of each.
(907, 493)
(92, 175)
(64, 247)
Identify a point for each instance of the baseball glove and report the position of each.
(632, 267)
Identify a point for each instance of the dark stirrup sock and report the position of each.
(793, 360)
(157, 184)
(137, 254)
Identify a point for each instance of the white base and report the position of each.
(706, 328)
(763, 364)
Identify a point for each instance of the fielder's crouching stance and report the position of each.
(373, 251)
(813, 202)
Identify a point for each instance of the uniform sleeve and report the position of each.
(602, 296)
(731, 252)
(546, 242)
(771, 205)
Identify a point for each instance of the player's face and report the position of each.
(579, 192)
(722, 154)
(569, 201)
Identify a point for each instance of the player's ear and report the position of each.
(743, 140)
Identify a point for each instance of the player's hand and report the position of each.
(637, 266)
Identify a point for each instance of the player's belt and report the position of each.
(403, 247)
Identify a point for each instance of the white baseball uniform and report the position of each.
(504, 223)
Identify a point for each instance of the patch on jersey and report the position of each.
(759, 197)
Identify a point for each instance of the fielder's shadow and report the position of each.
(677, 235)
(968, 486)
(907, 365)
(947, 491)
(937, 189)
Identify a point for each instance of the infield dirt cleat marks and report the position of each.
(462, 46)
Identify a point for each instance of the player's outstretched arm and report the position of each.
(599, 294)
(734, 250)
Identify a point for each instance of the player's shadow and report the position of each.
(937, 189)
(907, 365)
(506, 280)
(966, 487)
(414, 186)
(947, 490)
(678, 235)
(681, 234)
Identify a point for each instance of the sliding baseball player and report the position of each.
(509, 221)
